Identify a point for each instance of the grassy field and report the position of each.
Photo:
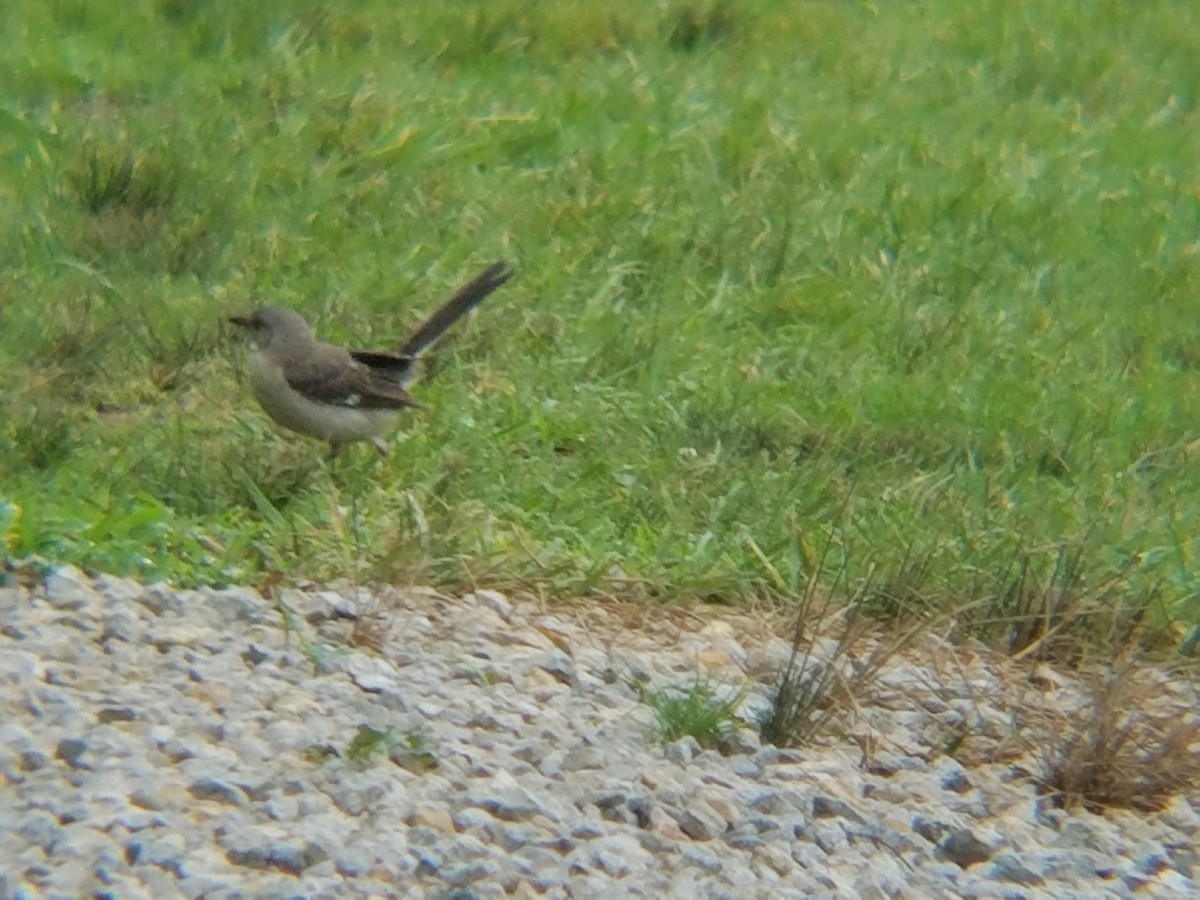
(909, 292)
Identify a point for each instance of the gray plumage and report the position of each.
(339, 395)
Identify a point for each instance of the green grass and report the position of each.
(701, 710)
(922, 279)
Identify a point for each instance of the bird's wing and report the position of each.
(395, 368)
(329, 374)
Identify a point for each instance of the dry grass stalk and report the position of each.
(814, 688)
(1125, 747)
(375, 616)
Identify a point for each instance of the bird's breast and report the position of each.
(293, 410)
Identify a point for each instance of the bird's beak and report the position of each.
(244, 321)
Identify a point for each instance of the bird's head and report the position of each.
(274, 323)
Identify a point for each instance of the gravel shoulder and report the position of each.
(161, 743)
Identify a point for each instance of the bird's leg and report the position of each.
(380, 446)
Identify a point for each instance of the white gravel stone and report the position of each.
(157, 743)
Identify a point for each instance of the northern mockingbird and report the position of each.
(339, 395)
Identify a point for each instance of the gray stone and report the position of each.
(477, 822)
(255, 655)
(496, 602)
(160, 599)
(745, 768)
(115, 714)
(21, 667)
(701, 822)
(121, 624)
(512, 805)
(778, 756)
(40, 828)
(701, 857)
(555, 663)
(1071, 864)
(611, 804)
(952, 776)
(586, 831)
(68, 589)
(616, 855)
(460, 875)
(219, 791)
(1185, 858)
(163, 849)
(176, 751)
(741, 741)
(829, 835)
(33, 760)
(136, 820)
(533, 859)
(962, 848)
(1006, 866)
(772, 802)
(354, 861)
(1171, 884)
(253, 857)
(639, 806)
(71, 751)
(885, 765)
(744, 837)
(68, 878)
(830, 808)
(684, 750)
(582, 758)
(930, 829)
(238, 604)
(295, 859)
(118, 590)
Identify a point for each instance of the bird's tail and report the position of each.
(464, 300)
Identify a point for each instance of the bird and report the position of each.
(339, 395)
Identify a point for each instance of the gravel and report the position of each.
(157, 742)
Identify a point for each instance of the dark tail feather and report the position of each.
(464, 300)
